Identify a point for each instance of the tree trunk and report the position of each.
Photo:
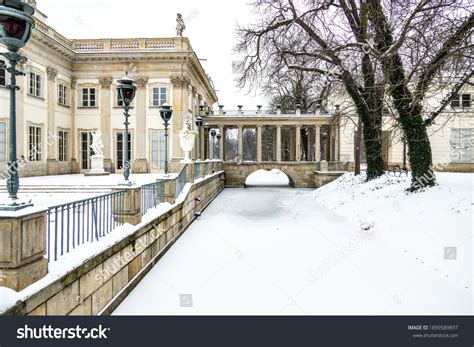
(373, 148)
(419, 151)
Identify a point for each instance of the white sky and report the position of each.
(210, 26)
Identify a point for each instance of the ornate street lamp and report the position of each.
(213, 141)
(166, 112)
(16, 25)
(219, 136)
(198, 126)
(207, 127)
(127, 90)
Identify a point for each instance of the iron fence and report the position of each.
(181, 180)
(197, 171)
(152, 195)
(76, 223)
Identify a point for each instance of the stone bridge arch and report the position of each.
(300, 174)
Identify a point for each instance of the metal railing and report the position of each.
(181, 180)
(152, 195)
(76, 223)
(205, 169)
(197, 171)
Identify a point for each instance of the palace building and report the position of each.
(69, 91)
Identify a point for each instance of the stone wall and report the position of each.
(300, 174)
(98, 286)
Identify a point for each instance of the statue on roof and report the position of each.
(180, 26)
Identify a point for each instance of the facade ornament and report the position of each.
(52, 73)
(73, 82)
(141, 81)
(105, 81)
(180, 81)
(180, 26)
(187, 139)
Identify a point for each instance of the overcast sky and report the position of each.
(210, 26)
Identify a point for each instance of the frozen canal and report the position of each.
(277, 251)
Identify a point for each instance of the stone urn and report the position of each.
(187, 139)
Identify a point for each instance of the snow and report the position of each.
(273, 251)
(271, 178)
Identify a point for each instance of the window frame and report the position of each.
(87, 102)
(159, 95)
(63, 95)
(63, 145)
(35, 146)
(458, 145)
(463, 100)
(3, 73)
(35, 89)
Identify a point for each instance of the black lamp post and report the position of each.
(219, 136)
(127, 90)
(16, 25)
(198, 126)
(213, 141)
(207, 127)
(166, 112)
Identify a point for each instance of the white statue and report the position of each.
(97, 143)
(186, 139)
(180, 26)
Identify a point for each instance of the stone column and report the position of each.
(180, 84)
(259, 143)
(128, 207)
(211, 144)
(51, 139)
(75, 167)
(298, 144)
(241, 144)
(22, 249)
(278, 143)
(221, 143)
(317, 141)
(140, 164)
(105, 83)
(336, 142)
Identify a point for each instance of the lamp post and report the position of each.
(16, 25)
(207, 127)
(166, 112)
(127, 90)
(219, 136)
(213, 141)
(198, 126)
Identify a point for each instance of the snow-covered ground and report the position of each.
(47, 191)
(295, 251)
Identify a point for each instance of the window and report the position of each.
(2, 73)
(159, 96)
(463, 100)
(158, 148)
(34, 143)
(86, 150)
(119, 99)
(88, 97)
(120, 149)
(3, 141)
(63, 95)
(62, 145)
(461, 145)
(34, 84)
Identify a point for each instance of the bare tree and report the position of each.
(323, 39)
(424, 47)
